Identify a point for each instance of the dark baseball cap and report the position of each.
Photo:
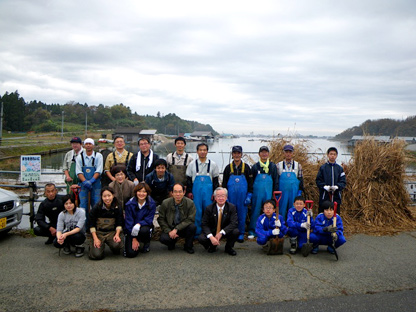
(288, 148)
(76, 140)
(264, 148)
(237, 149)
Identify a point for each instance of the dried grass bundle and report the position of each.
(375, 200)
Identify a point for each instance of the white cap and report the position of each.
(89, 140)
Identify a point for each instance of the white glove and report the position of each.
(334, 188)
(305, 225)
(277, 223)
(276, 232)
(136, 182)
(310, 213)
(327, 188)
(135, 230)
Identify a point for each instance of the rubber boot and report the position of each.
(240, 238)
(293, 245)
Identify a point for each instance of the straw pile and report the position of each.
(375, 200)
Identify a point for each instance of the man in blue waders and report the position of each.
(238, 181)
(266, 181)
(290, 180)
(89, 166)
(202, 179)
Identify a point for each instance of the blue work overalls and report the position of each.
(262, 191)
(289, 185)
(94, 193)
(237, 193)
(202, 191)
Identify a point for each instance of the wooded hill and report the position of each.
(37, 116)
(390, 127)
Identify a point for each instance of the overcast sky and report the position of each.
(313, 67)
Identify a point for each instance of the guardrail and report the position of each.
(33, 196)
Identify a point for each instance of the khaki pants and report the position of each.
(105, 238)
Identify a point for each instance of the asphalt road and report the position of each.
(372, 274)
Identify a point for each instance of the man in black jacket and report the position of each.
(142, 163)
(219, 221)
(50, 207)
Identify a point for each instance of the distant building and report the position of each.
(202, 135)
(358, 138)
(132, 135)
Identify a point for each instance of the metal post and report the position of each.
(62, 130)
(32, 197)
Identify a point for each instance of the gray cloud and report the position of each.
(314, 67)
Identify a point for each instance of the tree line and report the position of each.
(386, 126)
(22, 116)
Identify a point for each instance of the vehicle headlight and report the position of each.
(17, 203)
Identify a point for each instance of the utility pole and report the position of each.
(86, 124)
(62, 130)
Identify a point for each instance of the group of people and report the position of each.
(190, 200)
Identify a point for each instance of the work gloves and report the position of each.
(276, 232)
(310, 213)
(334, 237)
(330, 188)
(87, 185)
(277, 223)
(135, 230)
(330, 229)
(248, 199)
(306, 225)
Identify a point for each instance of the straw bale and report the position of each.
(375, 200)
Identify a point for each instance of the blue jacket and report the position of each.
(265, 226)
(135, 215)
(330, 174)
(321, 221)
(296, 218)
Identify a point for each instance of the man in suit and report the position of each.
(220, 220)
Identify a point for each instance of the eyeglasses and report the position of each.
(220, 196)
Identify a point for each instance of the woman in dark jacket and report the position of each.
(139, 214)
(106, 224)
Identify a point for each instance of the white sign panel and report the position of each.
(30, 166)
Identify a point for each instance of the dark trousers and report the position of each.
(144, 236)
(42, 232)
(72, 240)
(188, 233)
(231, 239)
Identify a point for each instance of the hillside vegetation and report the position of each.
(20, 116)
(390, 127)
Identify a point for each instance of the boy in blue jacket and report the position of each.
(325, 233)
(269, 225)
(297, 224)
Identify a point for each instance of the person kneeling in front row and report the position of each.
(177, 219)
(140, 211)
(106, 224)
(70, 228)
(220, 218)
